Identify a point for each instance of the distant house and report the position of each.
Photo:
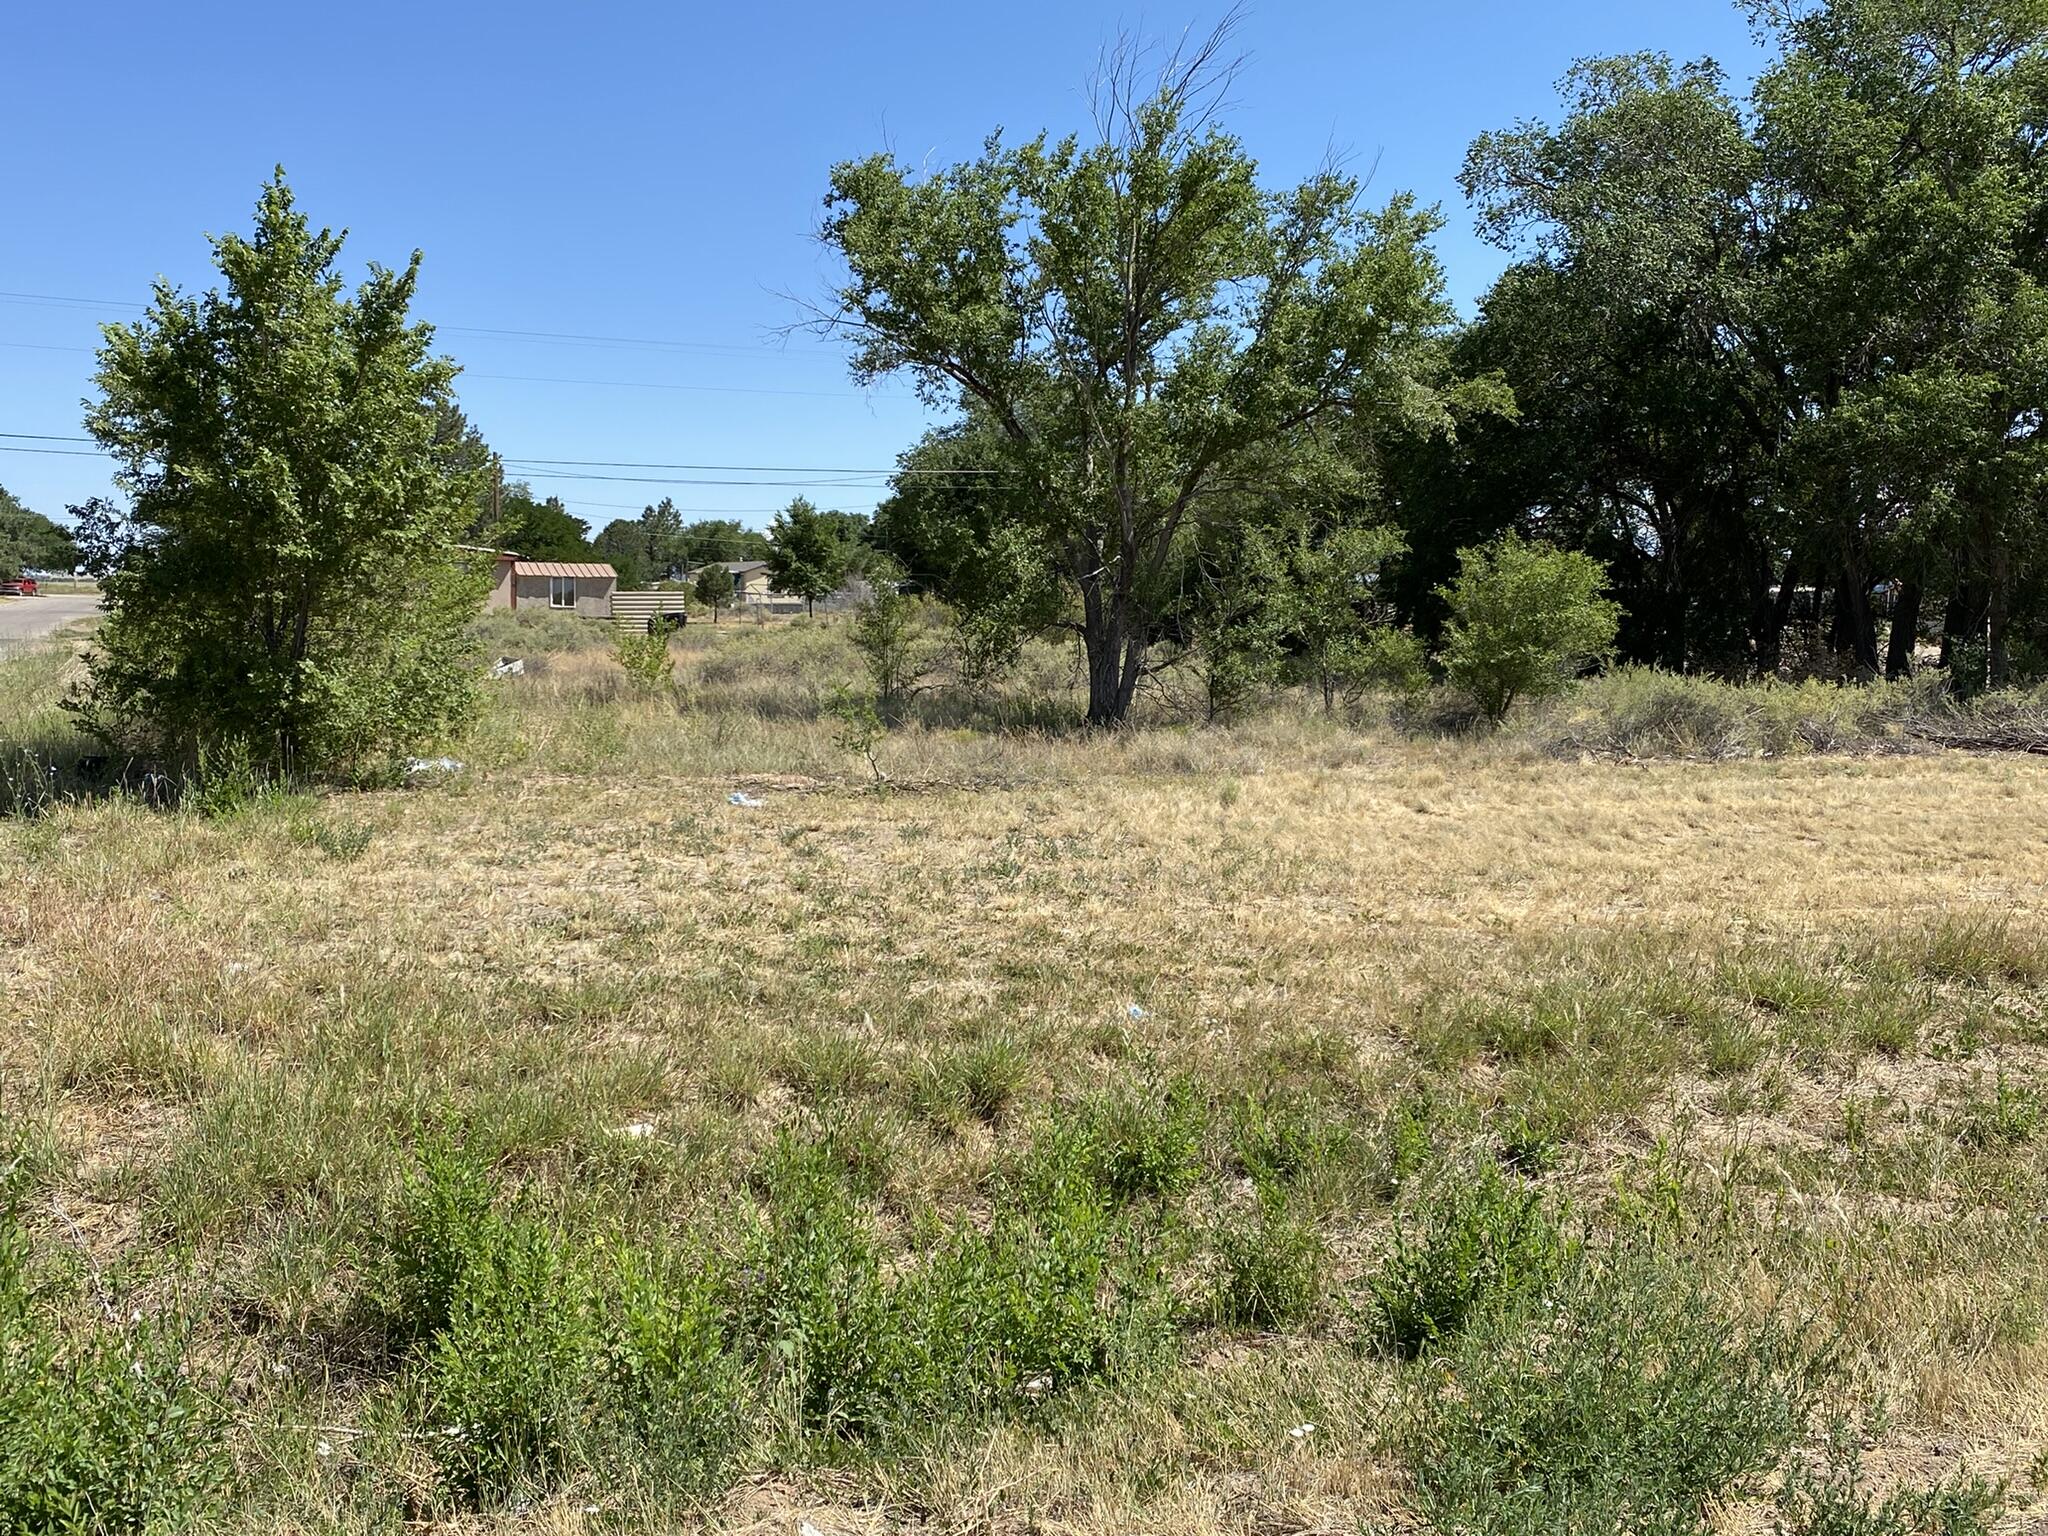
(754, 590)
(751, 581)
(566, 586)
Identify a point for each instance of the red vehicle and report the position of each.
(24, 587)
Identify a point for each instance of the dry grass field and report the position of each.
(1285, 1126)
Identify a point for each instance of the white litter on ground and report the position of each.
(741, 797)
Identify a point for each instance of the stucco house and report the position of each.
(565, 586)
(754, 590)
(750, 581)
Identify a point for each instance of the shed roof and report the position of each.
(564, 568)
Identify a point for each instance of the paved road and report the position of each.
(23, 619)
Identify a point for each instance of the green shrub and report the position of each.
(105, 1426)
(445, 1214)
(1834, 1503)
(1409, 1147)
(298, 585)
(816, 1299)
(1046, 1298)
(646, 659)
(507, 1379)
(1058, 1289)
(1483, 1243)
(1269, 1267)
(344, 841)
(530, 632)
(226, 780)
(1282, 1139)
(900, 640)
(1626, 1402)
(1525, 619)
(1143, 1140)
(528, 1366)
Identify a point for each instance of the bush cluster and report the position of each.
(104, 1424)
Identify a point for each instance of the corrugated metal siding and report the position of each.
(634, 609)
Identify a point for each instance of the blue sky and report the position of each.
(651, 173)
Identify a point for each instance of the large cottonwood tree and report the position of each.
(1785, 347)
(1137, 321)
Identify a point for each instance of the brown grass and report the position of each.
(209, 1020)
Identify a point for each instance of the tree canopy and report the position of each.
(31, 542)
(811, 551)
(284, 581)
(1777, 361)
(1133, 321)
(541, 529)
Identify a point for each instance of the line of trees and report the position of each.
(31, 542)
(1780, 364)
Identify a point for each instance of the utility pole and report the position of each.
(497, 496)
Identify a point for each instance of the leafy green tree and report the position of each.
(31, 542)
(541, 530)
(1136, 319)
(1777, 356)
(1905, 138)
(721, 538)
(713, 588)
(1525, 619)
(898, 637)
(956, 523)
(811, 554)
(1334, 604)
(620, 546)
(285, 581)
(1635, 333)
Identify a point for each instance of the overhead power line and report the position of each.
(707, 389)
(578, 338)
(792, 469)
(545, 467)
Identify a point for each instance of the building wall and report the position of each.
(593, 595)
(501, 587)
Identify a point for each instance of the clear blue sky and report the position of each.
(653, 171)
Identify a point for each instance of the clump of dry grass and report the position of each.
(1224, 1009)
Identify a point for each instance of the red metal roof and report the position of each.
(563, 568)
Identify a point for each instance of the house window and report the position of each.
(561, 591)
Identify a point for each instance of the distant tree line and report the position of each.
(810, 551)
(31, 542)
(1778, 364)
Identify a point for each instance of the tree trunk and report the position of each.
(1115, 648)
(1962, 637)
(1859, 623)
(1898, 651)
(1776, 612)
(1998, 662)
